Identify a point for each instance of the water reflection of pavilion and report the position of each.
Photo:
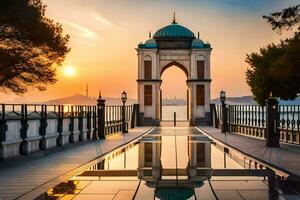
(155, 172)
(174, 183)
(198, 166)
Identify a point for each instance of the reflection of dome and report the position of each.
(174, 31)
(179, 193)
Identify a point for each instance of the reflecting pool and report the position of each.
(173, 164)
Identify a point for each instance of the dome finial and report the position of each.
(174, 18)
(149, 34)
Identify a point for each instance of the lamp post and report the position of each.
(222, 96)
(224, 112)
(124, 99)
(101, 117)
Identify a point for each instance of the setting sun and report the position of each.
(69, 71)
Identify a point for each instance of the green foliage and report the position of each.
(32, 46)
(276, 69)
(285, 19)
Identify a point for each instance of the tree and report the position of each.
(275, 68)
(285, 19)
(32, 46)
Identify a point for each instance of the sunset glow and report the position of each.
(69, 71)
(103, 38)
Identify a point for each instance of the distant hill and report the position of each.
(236, 100)
(293, 102)
(249, 100)
(84, 100)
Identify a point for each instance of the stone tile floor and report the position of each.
(118, 185)
(26, 178)
(285, 158)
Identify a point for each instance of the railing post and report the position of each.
(60, 125)
(24, 127)
(119, 118)
(138, 121)
(134, 115)
(43, 127)
(88, 122)
(228, 113)
(124, 130)
(3, 125)
(71, 125)
(108, 113)
(224, 126)
(80, 123)
(101, 118)
(174, 118)
(272, 120)
(95, 125)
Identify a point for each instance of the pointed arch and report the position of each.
(177, 64)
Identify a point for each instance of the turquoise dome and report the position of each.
(174, 31)
(199, 44)
(149, 44)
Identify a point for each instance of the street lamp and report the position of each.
(224, 112)
(124, 99)
(222, 97)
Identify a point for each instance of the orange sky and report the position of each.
(104, 35)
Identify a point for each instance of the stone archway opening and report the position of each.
(176, 64)
(174, 92)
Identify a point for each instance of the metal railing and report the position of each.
(45, 126)
(250, 120)
(25, 113)
(289, 123)
(113, 118)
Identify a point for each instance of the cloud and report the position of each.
(85, 32)
(101, 19)
(105, 21)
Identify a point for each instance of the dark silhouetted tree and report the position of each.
(276, 68)
(32, 46)
(285, 19)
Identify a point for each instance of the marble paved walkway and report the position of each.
(26, 179)
(286, 158)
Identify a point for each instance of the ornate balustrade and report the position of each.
(289, 123)
(250, 120)
(28, 128)
(113, 118)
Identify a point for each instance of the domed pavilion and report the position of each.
(174, 45)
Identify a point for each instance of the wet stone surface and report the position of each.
(28, 178)
(176, 163)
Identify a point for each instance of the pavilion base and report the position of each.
(147, 121)
(201, 120)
